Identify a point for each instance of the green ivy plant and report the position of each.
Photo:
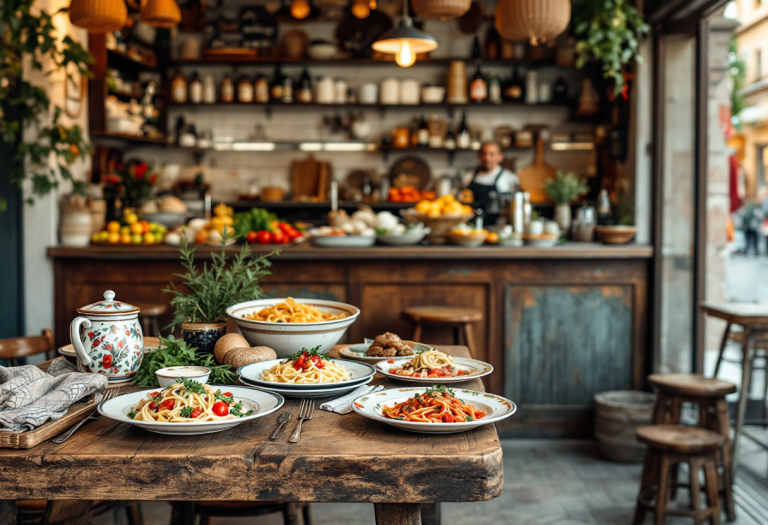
(24, 33)
(608, 31)
(565, 188)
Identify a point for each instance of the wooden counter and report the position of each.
(560, 324)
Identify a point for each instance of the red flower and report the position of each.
(120, 344)
(141, 170)
(96, 343)
(90, 334)
(153, 178)
(106, 361)
(108, 347)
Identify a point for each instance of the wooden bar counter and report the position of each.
(559, 324)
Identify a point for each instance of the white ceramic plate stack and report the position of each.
(495, 407)
(473, 367)
(362, 374)
(409, 238)
(262, 403)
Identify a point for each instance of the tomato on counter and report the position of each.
(264, 237)
(251, 237)
(409, 194)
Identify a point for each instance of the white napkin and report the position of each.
(343, 405)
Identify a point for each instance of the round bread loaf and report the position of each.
(226, 344)
(238, 357)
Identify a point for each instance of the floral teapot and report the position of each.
(107, 339)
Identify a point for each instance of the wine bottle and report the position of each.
(304, 94)
(494, 90)
(492, 42)
(276, 92)
(478, 88)
(422, 134)
(560, 91)
(477, 51)
(515, 90)
(463, 138)
(450, 140)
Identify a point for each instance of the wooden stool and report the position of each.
(457, 317)
(670, 445)
(148, 316)
(709, 395)
(184, 513)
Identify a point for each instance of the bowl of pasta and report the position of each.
(191, 408)
(434, 410)
(287, 325)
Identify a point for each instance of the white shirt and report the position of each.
(508, 182)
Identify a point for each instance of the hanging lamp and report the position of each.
(300, 9)
(160, 13)
(361, 9)
(535, 21)
(405, 41)
(98, 16)
(441, 9)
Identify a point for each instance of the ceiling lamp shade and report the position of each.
(300, 9)
(405, 41)
(98, 16)
(441, 9)
(361, 9)
(535, 21)
(160, 13)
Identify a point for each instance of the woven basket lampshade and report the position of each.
(98, 16)
(160, 13)
(535, 21)
(440, 9)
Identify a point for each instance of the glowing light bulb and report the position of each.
(360, 9)
(300, 9)
(372, 4)
(405, 57)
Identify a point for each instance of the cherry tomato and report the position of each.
(318, 361)
(279, 237)
(154, 394)
(251, 237)
(300, 363)
(293, 233)
(227, 394)
(284, 227)
(264, 237)
(439, 372)
(153, 406)
(167, 404)
(196, 413)
(447, 418)
(220, 408)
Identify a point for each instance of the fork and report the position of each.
(306, 410)
(281, 421)
(109, 394)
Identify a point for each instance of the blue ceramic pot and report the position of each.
(203, 336)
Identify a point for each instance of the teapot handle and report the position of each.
(74, 336)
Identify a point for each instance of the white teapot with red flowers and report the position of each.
(107, 339)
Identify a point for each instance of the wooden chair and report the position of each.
(457, 317)
(148, 317)
(709, 395)
(14, 349)
(670, 445)
(185, 513)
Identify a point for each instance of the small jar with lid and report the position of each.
(178, 88)
(227, 90)
(209, 90)
(245, 90)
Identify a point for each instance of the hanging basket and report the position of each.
(440, 9)
(535, 21)
(98, 16)
(160, 13)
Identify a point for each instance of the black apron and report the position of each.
(482, 192)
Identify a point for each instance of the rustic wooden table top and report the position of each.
(738, 313)
(339, 458)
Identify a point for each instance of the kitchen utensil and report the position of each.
(340, 91)
(310, 178)
(532, 178)
(409, 91)
(272, 194)
(472, 240)
(112, 335)
(390, 91)
(409, 238)
(343, 405)
(281, 421)
(343, 241)
(306, 410)
(109, 394)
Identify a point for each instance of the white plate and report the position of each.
(473, 366)
(410, 237)
(359, 372)
(541, 243)
(344, 241)
(496, 408)
(261, 402)
(359, 351)
(320, 392)
(288, 338)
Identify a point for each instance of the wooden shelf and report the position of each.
(424, 106)
(235, 60)
(118, 58)
(128, 138)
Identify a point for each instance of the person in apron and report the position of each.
(490, 178)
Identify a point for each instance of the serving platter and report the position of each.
(474, 368)
(319, 392)
(496, 408)
(358, 352)
(360, 372)
(260, 401)
(409, 238)
(344, 241)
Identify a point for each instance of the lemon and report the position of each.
(103, 236)
(125, 239)
(95, 237)
(137, 238)
(113, 238)
(125, 230)
(131, 218)
(217, 223)
(493, 238)
(149, 238)
(113, 227)
(229, 221)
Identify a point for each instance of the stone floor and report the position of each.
(546, 482)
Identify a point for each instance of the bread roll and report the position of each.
(227, 343)
(238, 357)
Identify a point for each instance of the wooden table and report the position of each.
(340, 458)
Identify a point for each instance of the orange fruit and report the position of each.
(113, 227)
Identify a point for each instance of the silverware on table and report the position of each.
(306, 410)
(281, 421)
(109, 394)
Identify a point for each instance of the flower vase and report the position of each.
(563, 218)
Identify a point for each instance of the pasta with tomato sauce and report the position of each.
(431, 363)
(306, 367)
(437, 405)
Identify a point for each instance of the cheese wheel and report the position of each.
(226, 344)
(238, 357)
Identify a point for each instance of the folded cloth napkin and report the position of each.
(343, 405)
(29, 397)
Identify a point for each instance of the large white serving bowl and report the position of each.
(358, 372)
(260, 401)
(496, 408)
(288, 338)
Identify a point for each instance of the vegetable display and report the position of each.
(259, 226)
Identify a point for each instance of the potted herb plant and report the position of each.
(563, 190)
(201, 305)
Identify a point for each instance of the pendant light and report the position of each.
(405, 41)
(98, 16)
(300, 9)
(160, 13)
(361, 9)
(535, 21)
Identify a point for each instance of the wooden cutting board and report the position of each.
(533, 177)
(49, 429)
(310, 178)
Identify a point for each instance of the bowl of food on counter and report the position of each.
(541, 233)
(286, 324)
(385, 346)
(504, 236)
(616, 234)
(468, 236)
(440, 216)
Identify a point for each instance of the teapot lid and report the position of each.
(108, 306)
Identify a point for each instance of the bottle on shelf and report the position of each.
(195, 89)
(463, 137)
(492, 42)
(180, 127)
(287, 90)
(179, 88)
(515, 89)
(276, 92)
(560, 91)
(261, 90)
(477, 51)
(422, 134)
(209, 90)
(532, 86)
(227, 90)
(449, 142)
(604, 214)
(478, 87)
(304, 93)
(494, 90)
(244, 90)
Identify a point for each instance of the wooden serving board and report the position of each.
(49, 429)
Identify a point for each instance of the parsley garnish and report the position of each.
(237, 410)
(308, 353)
(439, 390)
(187, 412)
(132, 413)
(191, 386)
(221, 397)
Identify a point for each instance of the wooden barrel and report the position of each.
(617, 415)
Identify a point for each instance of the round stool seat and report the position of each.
(152, 310)
(679, 439)
(442, 314)
(691, 385)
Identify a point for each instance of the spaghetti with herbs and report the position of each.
(290, 311)
(436, 405)
(306, 367)
(431, 363)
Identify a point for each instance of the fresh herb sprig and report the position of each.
(309, 353)
(439, 390)
(187, 411)
(175, 352)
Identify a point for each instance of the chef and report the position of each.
(489, 177)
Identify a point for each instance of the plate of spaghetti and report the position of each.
(434, 410)
(286, 324)
(434, 365)
(306, 370)
(190, 408)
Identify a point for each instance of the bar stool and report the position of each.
(709, 395)
(148, 316)
(753, 317)
(457, 317)
(670, 445)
